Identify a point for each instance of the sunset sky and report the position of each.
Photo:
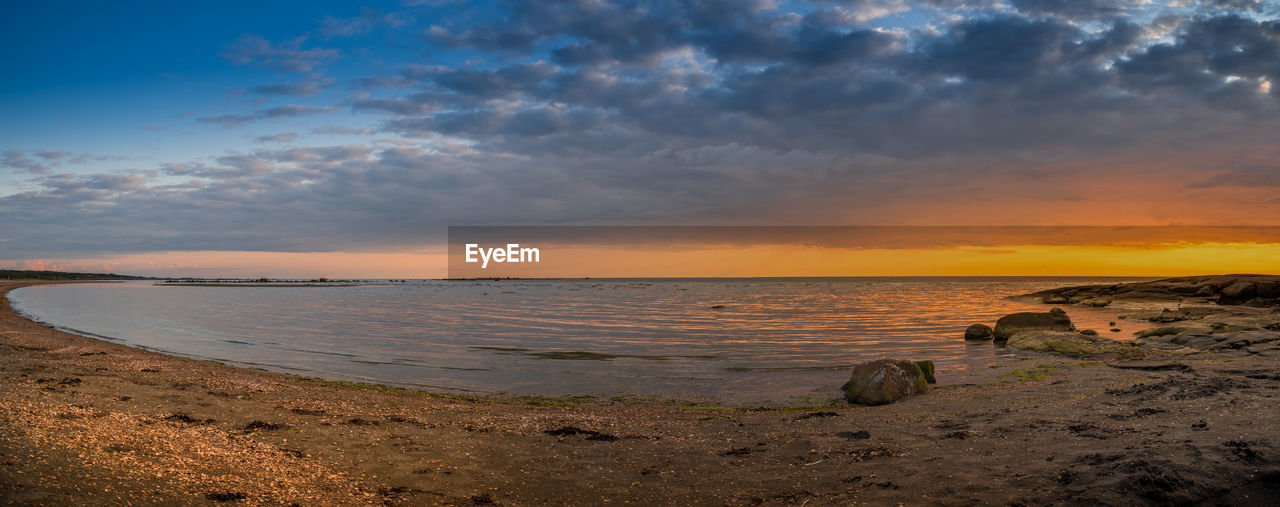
(336, 139)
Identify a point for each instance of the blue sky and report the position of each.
(129, 80)
(339, 127)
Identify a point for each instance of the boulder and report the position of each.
(926, 367)
(978, 332)
(1173, 330)
(1095, 302)
(1053, 320)
(884, 381)
(1237, 293)
(1167, 316)
(1267, 289)
(1072, 344)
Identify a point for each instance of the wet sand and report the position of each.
(89, 422)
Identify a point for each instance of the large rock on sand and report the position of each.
(978, 332)
(1053, 320)
(884, 381)
(1072, 344)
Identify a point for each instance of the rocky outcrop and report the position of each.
(884, 381)
(1072, 344)
(1227, 313)
(1238, 293)
(1053, 320)
(978, 332)
(1259, 341)
(1252, 290)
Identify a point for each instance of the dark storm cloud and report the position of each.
(1000, 50)
(1078, 9)
(1242, 5)
(1209, 50)
(848, 86)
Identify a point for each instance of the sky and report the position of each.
(342, 139)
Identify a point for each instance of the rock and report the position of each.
(1178, 287)
(1167, 316)
(978, 332)
(1095, 302)
(1267, 289)
(1089, 332)
(926, 367)
(1073, 344)
(1054, 320)
(1238, 293)
(1260, 302)
(884, 381)
(1172, 330)
(1260, 342)
(1256, 290)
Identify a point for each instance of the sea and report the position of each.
(737, 342)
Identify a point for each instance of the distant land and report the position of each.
(26, 274)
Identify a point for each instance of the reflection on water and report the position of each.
(740, 341)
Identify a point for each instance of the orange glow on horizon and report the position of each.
(802, 261)
(1180, 259)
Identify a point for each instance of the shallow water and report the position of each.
(738, 341)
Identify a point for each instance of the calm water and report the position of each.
(772, 341)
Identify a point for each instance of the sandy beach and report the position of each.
(89, 422)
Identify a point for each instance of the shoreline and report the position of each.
(90, 420)
(729, 376)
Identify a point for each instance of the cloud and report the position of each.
(368, 19)
(286, 111)
(1076, 9)
(52, 155)
(285, 56)
(411, 105)
(341, 130)
(296, 89)
(820, 81)
(17, 159)
(286, 137)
